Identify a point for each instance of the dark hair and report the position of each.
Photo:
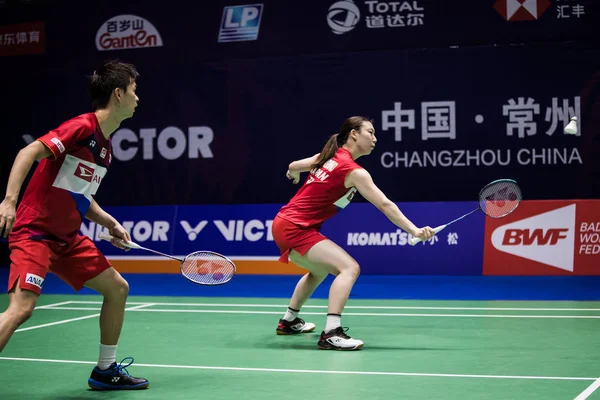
(338, 140)
(111, 75)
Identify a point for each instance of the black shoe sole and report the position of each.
(330, 347)
(118, 387)
(280, 332)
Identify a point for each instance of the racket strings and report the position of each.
(500, 198)
(207, 268)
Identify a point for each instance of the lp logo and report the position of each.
(240, 23)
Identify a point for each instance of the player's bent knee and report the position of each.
(117, 290)
(21, 312)
(354, 270)
(22, 304)
(122, 288)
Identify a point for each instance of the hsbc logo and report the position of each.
(84, 172)
(521, 10)
(548, 238)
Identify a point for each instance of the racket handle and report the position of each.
(107, 237)
(416, 240)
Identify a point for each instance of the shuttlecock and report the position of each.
(571, 128)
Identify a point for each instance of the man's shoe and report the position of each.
(116, 377)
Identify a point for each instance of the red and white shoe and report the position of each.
(294, 327)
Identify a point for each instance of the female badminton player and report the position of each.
(333, 180)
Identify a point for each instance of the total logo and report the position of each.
(343, 16)
(548, 238)
(521, 10)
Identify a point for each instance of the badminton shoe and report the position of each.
(116, 377)
(336, 339)
(294, 327)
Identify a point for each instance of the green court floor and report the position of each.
(226, 348)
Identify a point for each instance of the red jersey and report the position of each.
(61, 188)
(323, 194)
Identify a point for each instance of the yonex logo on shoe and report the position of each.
(115, 379)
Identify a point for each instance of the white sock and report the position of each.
(291, 314)
(108, 355)
(333, 321)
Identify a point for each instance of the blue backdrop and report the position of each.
(461, 93)
(245, 231)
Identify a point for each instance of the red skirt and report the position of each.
(289, 236)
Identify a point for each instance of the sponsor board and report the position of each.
(244, 234)
(127, 32)
(545, 238)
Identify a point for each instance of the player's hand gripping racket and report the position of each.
(497, 199)
(202, 267)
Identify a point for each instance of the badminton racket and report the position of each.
(497, 199)
(201, 267)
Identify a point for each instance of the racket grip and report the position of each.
(108, 237)
(416, 240)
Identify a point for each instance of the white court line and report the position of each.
(590, 389)
(65, 321)
(56, 323)
(348, 313)
(53, 305)
(310, 371)
(353, 307)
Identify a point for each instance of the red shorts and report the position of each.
(290, 236)
(75, 263)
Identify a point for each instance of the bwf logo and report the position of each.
(526, 237)
(548, 238)
(521, 10)
(240, 23)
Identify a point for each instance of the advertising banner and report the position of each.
(243, 233)
(545, 238)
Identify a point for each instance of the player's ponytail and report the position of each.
(328, 151)
(338, 140)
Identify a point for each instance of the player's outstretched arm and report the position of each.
(96, 214)
(299, 166)
(21, 167)
(361, 179)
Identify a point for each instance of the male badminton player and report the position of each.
(333, 180)
(43, 231)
